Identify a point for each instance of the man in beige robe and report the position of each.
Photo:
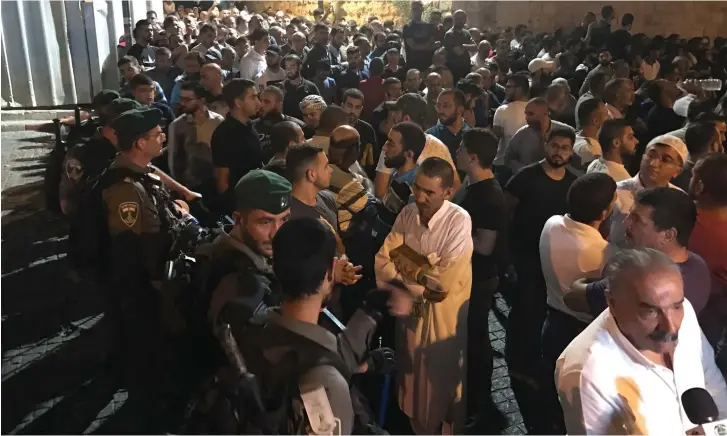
(429, 251)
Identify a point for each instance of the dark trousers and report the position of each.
(559, 329)
(522, 351)
(479, 347)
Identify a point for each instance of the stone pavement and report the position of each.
(53, 329)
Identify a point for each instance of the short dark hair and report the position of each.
(332, 117)
(376, 66)
(352, 49)
(433, 167)
(521, 81)
(139, 24)
(610, 130)
(627, 19)
(672, 209)
(199, 90)
(207, 28)
(589, 196)
(711, 169)
(257, 35)
(699, 137)
(235, 89)
(197, 56)
(607, 11)
(163, 51)
(320, 26)
(482, 143)
(127, 60)
(281, 135)
(140, 80)
(612, 88)
(304, 250)
(275, 90)
(242, 38)
(458, 95)
(412, 137)
(561, 132)
(391, 81)
(292, 57)
(298, 158)
(596, 80)
(354, 93)
(586, 109)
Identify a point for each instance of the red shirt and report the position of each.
(374, 94)
(709, 240)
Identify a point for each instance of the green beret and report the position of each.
(104, 97)
(264, 190)
(135, 123)
(121, 105)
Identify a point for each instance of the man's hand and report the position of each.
(345, 272)
(401, 302)
(191, 195)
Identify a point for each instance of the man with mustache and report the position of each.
(663, 219)
(663, 160)
(625, 373)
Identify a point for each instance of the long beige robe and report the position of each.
(431, 349)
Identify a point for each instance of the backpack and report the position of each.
(89, 234)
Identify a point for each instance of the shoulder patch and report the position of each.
(129, 212)
(74, 169)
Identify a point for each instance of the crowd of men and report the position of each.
(399, 179)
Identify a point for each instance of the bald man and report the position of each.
(479, 60)
(348, 141)
(434, 87)
(527, 146)
(211, 78)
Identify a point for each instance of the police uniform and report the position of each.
(139, 243)
(88, 160)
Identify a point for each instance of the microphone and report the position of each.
(701, 409)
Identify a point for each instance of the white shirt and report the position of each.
(569, 251)
(479, 62)
(262, 79)
(511, 117)
(616, 170)
(587, 149)
(252, 64)
(433, 147)
(606, 386)
(625, 198)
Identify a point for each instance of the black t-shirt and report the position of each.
(540, 197)
(618, 41)
(662, 120)
(264, 128)
(485, 202)
(399, 74)
(420, 32)
(457, 38)
(294, 94)
(236, 146)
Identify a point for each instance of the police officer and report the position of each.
(138, 224)
(88, 160)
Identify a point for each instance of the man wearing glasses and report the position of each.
(662, 161)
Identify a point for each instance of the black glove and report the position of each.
(381, 361)
(375, 304)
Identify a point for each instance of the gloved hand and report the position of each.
(381, 361)
(375, 304)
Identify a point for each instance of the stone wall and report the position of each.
(355, 10)
(687, 18)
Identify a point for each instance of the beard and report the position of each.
(556, 161)
(448, 121)
(253, 244)
(395, 162)
(189, 110)
(271, 117)
(292, 76)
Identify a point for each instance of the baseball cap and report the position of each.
(264, 190)
(273, 50)
(673, 142)
(541, 64)
(411, 104)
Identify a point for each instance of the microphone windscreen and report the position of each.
(699, 406)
